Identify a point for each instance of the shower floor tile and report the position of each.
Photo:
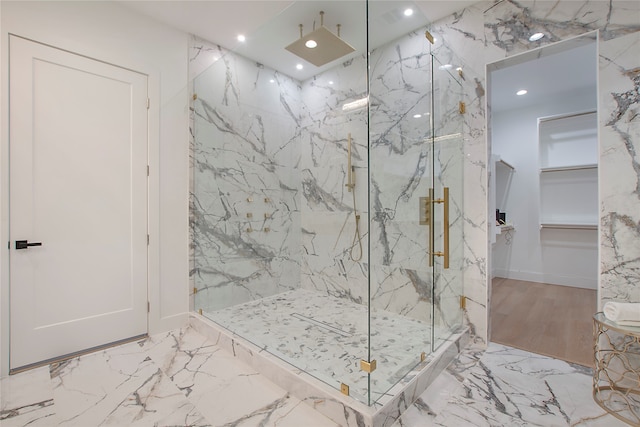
(327, 337)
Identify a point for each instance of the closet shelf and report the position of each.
(569, 168)
(569, 226)
(510, 166)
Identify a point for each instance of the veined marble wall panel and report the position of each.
(490, 31)
(245, 200)
(328, 221)
(619, 81)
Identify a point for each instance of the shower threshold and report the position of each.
(275, 338)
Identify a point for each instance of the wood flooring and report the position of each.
(545, 319)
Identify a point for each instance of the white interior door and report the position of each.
(78, 186)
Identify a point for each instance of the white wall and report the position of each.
(564, 257)
(112, 33)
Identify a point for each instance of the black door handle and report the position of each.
(23, 244)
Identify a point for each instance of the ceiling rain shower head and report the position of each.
(327, 47)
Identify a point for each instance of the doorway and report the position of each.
(77, 203)
(544, 192)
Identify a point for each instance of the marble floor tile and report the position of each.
(503, 386)
(27, 399)
(181, 378)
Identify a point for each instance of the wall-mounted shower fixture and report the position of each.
(320, 46)
(351, 185)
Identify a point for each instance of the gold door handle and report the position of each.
(430, 219)
(445, 220)
(446, 227)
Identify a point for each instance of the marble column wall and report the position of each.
(491, 31)
(245, 213)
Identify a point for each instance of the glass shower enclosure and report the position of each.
(327, 206)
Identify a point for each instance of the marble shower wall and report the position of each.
(401, 161)
(491, 31)
(245, 214)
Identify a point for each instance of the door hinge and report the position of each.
(429, 37)
(462, 107)
(148, 307)
(344, 389)
(147, 170)
(148, 103)
(463, 302)
(368, 366)
(147, 240)
(195, 290)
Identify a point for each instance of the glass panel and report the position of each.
(400, 177)
(448, 152)
(280, 258)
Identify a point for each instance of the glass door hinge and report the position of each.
(195, 290)
(344, 389)
(368, 366)
(462, 107)
(463, 302)
(429, 37)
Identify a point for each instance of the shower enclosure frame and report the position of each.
(433, 144)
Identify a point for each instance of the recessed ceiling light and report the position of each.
(536, 36)
(299, 67)
(241, 38)
(311, 44)
(272, 81)
(445, 67)
(521, 92)
(417, 116)
(408, 12)
(330, 82)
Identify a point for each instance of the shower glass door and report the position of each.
(447, 167)
(416, 202)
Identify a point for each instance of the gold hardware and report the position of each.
(368, 366)
(249, 199)
(430, 219)
(446, 227)
(249, 215)
(200, 311)
(445, 220)
(429, 37)
(462, 107)
(266, 229)
(267, 216)
(195, 290)
(423, 356)
(267, 200)
(463, 302)
(425, 210)
(350, 184)
(460, 73)
(344, 389)
(249, 230)
(195, 96)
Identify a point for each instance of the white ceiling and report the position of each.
(271, 25)
(564, 72)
